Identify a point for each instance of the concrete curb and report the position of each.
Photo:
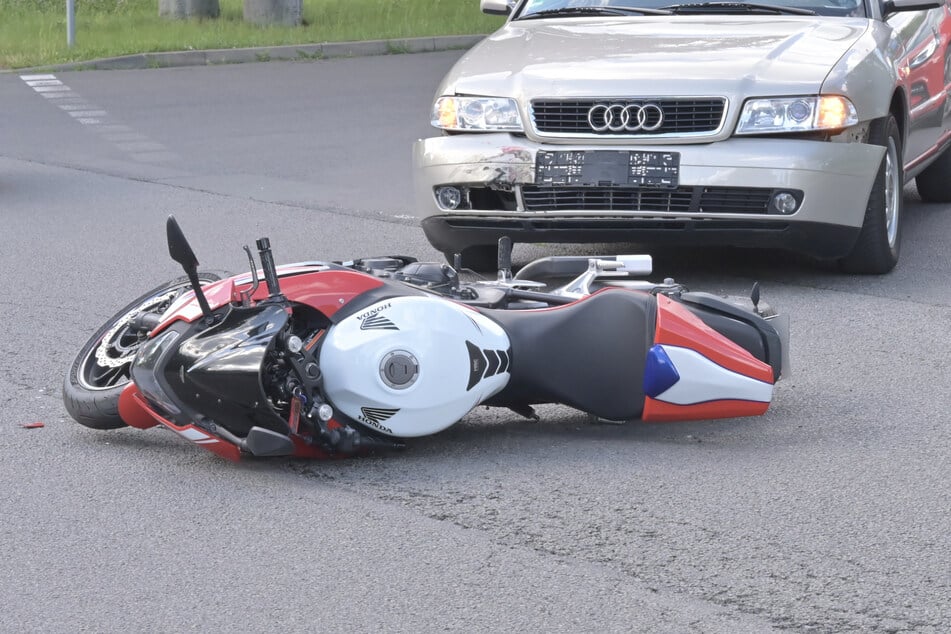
(267, 53)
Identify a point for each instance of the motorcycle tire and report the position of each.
(101, 370)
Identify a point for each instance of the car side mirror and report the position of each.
(897, 6)
(496, 7)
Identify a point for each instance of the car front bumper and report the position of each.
(834, 179)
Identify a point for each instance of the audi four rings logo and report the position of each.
(621, 117)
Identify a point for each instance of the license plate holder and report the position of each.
(607, 168)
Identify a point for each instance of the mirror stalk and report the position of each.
(182, 253)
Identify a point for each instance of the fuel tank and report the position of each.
(412, 366)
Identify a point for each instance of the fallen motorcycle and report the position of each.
(341, 358)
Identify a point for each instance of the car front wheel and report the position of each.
(877, 248)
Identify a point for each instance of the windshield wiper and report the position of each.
(735, 7)
(570, 11)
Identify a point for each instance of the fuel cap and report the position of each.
(399, 369)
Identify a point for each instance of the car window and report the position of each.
(532, 8)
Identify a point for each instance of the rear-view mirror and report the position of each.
(496, 7)
(178, 246)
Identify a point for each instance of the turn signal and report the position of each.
(446, 112)
(835, 112)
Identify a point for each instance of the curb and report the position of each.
(267, 53)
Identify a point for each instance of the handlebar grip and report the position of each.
(267, 264)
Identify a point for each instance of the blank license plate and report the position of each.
(607, 168)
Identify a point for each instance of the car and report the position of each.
(786, 124)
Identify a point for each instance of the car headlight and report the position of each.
(476, 113)
(796, 114)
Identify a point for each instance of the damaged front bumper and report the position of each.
(496, 175)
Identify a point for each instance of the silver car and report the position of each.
(792, 124)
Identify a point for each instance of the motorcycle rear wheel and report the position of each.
(101, 370)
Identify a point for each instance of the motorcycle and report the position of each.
(342, 358)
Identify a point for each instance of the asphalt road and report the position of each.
(830, 513)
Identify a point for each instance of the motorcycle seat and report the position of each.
(589, 355)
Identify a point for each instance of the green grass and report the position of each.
(33, 32)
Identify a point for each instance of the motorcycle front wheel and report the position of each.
(101, 370)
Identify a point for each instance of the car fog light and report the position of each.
(785, 203)
(448, 197)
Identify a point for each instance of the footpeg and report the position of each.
(264, 442)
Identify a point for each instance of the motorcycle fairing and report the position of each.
(133, 409)
(693, 372)
(217, 373)
(747, 329)
(701, 380)
(323, 287)
(413, 365)
(136, 412)
(677, 326)
(205, 383)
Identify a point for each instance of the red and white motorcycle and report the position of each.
(342, 358)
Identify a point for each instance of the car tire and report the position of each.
(879, 243)
(481, 257)
(934, 183)
(90, 394)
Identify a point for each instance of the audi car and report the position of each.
(782, 124)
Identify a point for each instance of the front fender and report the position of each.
(867, 74)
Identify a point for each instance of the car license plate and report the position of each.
(607, 168)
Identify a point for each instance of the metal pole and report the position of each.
(70, 23)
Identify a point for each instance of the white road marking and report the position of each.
(106, 129)
(88, 113)
(74, 106)
(138, 146)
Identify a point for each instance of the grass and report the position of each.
(33, 32)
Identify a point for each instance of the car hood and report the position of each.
(676, 55)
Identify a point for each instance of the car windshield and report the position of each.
(537, 9)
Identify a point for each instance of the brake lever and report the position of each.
(246, 295)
